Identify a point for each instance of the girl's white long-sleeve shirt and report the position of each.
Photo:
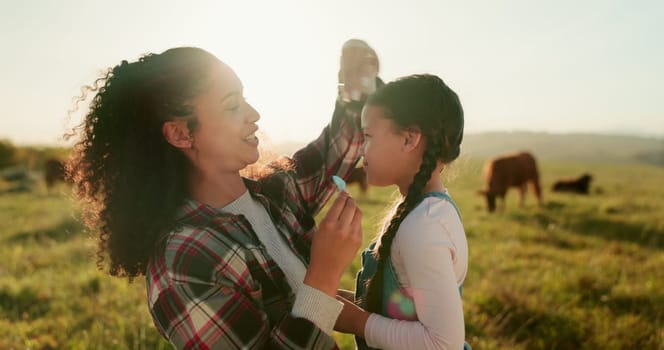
(430, 257)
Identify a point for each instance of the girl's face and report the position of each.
(225, 137)
(388, 159)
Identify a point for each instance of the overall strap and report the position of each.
(442, 195)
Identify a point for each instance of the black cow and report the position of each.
(579, 185)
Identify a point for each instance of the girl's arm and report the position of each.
(438, 307)
(437, 303)
(426, 252)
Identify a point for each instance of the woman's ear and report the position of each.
(412, 139)
(177, 134)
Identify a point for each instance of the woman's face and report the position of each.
(225, 137)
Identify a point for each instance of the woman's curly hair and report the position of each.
(426, 102)
(129, 178)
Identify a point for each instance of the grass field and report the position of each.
(582, 272)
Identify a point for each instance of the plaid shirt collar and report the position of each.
(198, 214)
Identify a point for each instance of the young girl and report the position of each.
(229, 262)
(411, 276)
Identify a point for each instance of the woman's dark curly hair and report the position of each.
(425, 102)
(129, 178)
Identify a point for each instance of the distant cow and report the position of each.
(516, 170)
(54, 171)
(359, 176)
(579, 185)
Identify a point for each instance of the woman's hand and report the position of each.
(334, 245)
(357, 71)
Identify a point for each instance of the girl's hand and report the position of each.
(352, 319)
(346, 294)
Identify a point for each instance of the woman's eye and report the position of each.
(236, 106)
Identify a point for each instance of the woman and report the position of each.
(229, 262)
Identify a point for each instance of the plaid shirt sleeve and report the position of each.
(212, 301)
(334, 152)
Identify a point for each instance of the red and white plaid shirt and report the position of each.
(215, 287)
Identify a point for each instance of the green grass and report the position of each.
(51, 294)
(582, 272)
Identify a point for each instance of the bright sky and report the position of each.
(557, 66)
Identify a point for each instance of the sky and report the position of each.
(517, 65)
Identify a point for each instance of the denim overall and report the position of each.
(397, 301)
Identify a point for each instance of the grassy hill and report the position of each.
(594, 148)
(582, 272)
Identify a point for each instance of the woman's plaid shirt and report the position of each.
(214, 286)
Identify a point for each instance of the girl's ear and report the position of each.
(412, 139)
(176, 133)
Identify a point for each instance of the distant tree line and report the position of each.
(31, 158)
(7, 154)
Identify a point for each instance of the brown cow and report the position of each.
(579, 185)
(359, 176)
(515, 170)
(54, 171)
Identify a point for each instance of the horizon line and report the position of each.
(269, 139)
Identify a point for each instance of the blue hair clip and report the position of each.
(341, 184)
